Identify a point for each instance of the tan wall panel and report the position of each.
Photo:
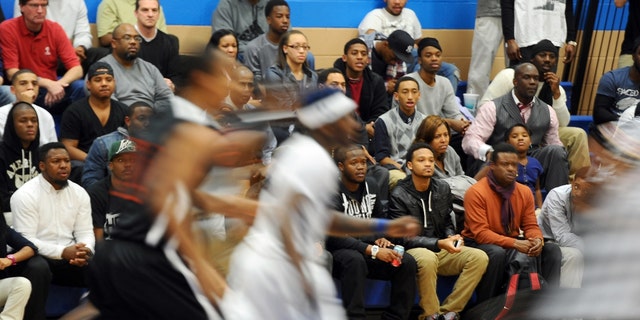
(193, 39)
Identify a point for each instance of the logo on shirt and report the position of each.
(21, 171)
(47, 51)
(363, 210)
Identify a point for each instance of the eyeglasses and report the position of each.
(128, 38)
(37, 5)
(298, 47)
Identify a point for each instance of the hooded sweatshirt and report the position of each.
(17, 165)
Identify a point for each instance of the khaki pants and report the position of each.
(572, 268)
(14, 294)
(575, 140)
(470, 264)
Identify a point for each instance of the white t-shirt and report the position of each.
(535, 20)
(384, 22)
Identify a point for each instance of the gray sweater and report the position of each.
(488, 8)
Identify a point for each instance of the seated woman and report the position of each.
(434, 131)
(18, 150)
(15, 290)
(289, 78)
(226, 41)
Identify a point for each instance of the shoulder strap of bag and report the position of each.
(513, 288)
(511, 296)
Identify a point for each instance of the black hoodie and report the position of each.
(18, 165)
(373, 98)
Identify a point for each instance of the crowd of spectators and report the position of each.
(417, 151)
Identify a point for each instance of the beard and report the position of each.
(61, 183)
(130, 56)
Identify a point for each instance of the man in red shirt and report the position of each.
(32, 42)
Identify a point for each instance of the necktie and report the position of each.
(522, 107)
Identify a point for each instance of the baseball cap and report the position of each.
(121, 147)
(401, 43)
(99, 68)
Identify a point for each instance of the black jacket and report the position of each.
(405, 200)
(373, 98)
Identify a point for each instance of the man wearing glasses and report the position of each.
(138, 80)
(32, 42)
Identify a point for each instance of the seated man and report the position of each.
(72, 17)
(617, 91)
(112, 13)
(30, 41)
(396, 129)
(436, 96)
(105, 209)
(365, 87)
(394, 16)
(438, 250)
(24, 85)
(356, 259)
(96, 163)
(390, 58)
(496, 209)
(262, 52)
(94, 116)
(138, 80)
(50, 199)
(239, 98)
(558, 219)
(545, 58)
(520, 105)
(158, 48)
(18, 151)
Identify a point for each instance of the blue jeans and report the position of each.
(6, 97)
(73, 92)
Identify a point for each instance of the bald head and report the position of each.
(242, 86)
(125, 43)
(523, 67)
(525, 82)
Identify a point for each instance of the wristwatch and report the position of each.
(374, 251)
(12, 258)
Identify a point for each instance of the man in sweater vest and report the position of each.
(396, 129)
(522, 106)
(545, 58)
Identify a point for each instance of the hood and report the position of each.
(11, 140)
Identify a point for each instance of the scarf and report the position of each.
(506, 211)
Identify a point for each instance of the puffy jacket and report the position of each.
(405, 200)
